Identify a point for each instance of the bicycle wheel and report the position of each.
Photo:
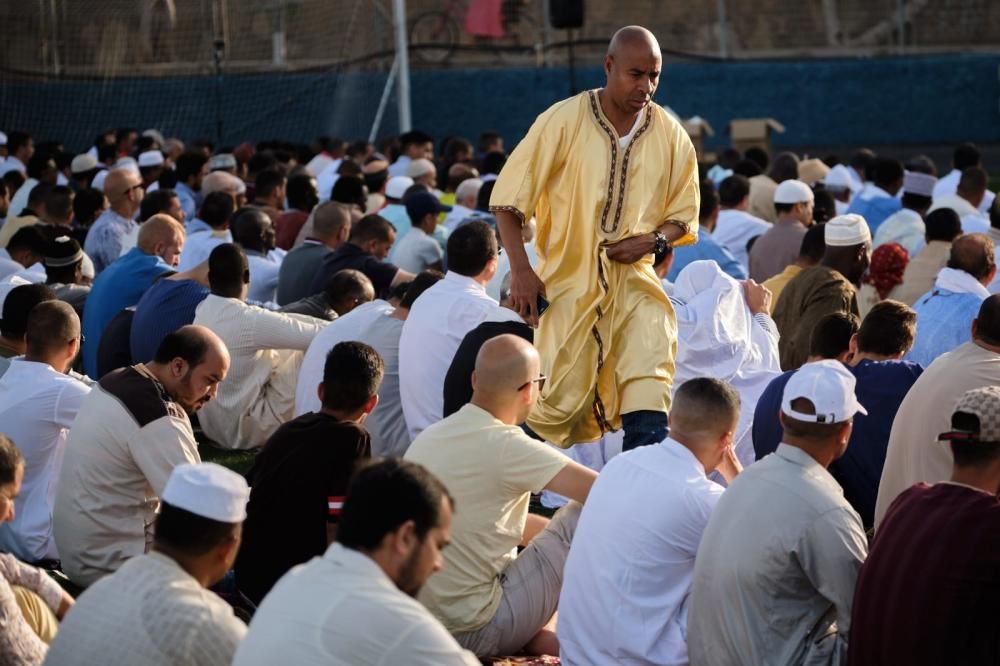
(433, 36)
(522, 28)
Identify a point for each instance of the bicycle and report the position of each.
(436, 35)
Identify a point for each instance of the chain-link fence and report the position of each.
(123, 38)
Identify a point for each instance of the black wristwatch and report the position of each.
(662, 243)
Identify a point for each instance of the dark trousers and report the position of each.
(643, 428)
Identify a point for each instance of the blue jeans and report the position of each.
(643, 428)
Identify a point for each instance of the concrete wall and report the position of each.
(894, 101)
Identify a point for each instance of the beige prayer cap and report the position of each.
(208, 490)
(420, 167)
(915, 182)
(812, 171)
(847, 230)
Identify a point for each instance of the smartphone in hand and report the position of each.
(543, 305)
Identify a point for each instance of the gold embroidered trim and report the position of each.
(614, 159)
(628, 152)
(598, 406)
(509, 209)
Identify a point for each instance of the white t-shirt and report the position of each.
(629, 572)
(342, 329)
(37, 408)
(417, 251)
(434, 329)
(734, 230)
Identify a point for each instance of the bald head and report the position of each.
(633, 38)
(123, 188)
(348, 289)
(163, 236)
(973, 253)
(190, 363)
(503, 364)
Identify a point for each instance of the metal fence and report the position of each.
(127, 38)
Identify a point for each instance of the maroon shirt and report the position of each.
(929, 592)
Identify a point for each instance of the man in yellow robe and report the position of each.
(609, 177)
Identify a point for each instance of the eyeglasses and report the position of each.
(540, 381)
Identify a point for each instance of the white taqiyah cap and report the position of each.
(3, 139)
(792, 192)
(846, 230)
(98, 182)
(829, 386)
(397, 186)
(208, 490)
(155, 135)
(915, 182)
(150, 158)
(83, 163)
(420, 167)
(839, 178)
(221, 161)
(127, 163)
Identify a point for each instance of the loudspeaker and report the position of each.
(566, 13)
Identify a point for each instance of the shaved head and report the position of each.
(633, 37)
(122, 185)
(163, 236)
(504, 363)
(632, 66)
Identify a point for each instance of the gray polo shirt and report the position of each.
(775, 572)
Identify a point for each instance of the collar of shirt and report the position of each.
(359, 564)
(312, 241)
(29, 372)
(959, 282)
(683, 455)
(463, 283)
(797, 456)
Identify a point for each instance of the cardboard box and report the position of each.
(754, 132)
(698, 128)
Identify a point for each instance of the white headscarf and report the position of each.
(718, 337)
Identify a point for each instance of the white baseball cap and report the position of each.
(208, 490)
(792, 192)
(847, 230)
(150, 158)
(397, 186)
(829, 386)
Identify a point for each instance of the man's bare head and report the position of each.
(162, 236)
(632, 65)
(505, 380)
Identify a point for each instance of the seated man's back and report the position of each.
(300, 477)
(132, 430)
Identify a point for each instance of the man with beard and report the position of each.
(132, 430)
(355, 605)
(611, 179)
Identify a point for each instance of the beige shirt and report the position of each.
(921, 272)
(778, 283)
(762, 189)
(248, 407)
(491, 469)
(914, 453)
(150, 612)
(127, 439)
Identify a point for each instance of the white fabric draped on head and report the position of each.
(718, 337)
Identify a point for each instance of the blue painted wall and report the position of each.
(915, 100)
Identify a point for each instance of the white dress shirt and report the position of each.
(199, 245)
(342, 329)
(342, 609)
(7, 265)
(948, 184)
(973, 222)
(629, 573)
(434, 329)
(398, 168)
(734, 230)
(37, 408)
(264, 271)
(240, 416)
(149, 612)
